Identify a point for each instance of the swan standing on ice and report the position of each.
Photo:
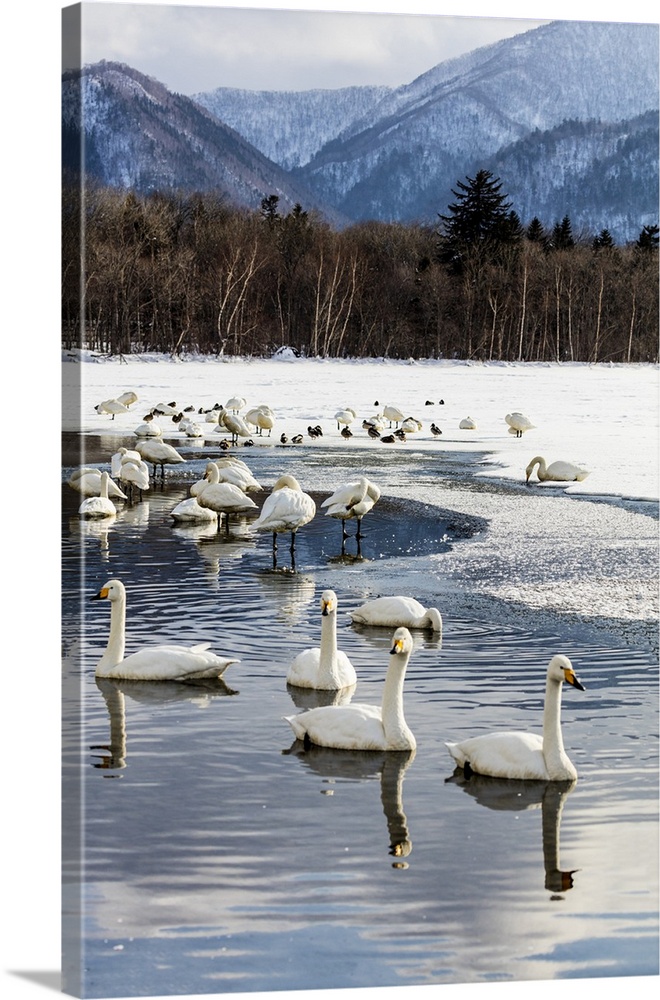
(393, 414)
(99, 506)
(364, 727)
(345, 417)
(352, 500)
(396, 611)
(557, 472)
(518, 423)
(324, 668)
(525, 755)
(286, 509)
(153, 663)
(112, 406)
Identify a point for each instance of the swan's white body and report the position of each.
(518, 423)
(236, 403)
(521, 755)
(323, 667)
(88, 482)
(233, 423)
(155, 663)
(99, 506)
(393, 414)
(468, 424)
(352, 500)
(123, 455)
(135, 474)
(159, 453)
(149, 429)
(238, 475)
(364, 727)
(345, 417)
(191, 511)
(112, 406)
(411, 425)
(128, 398)
(396, 611)
(286, 509)
(223, 498)
(556, 472)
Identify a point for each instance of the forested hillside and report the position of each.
(192, 273)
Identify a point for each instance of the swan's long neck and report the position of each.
(328, 648)
(114, 651)
(397, 734)
(542, 468)
(557, 763)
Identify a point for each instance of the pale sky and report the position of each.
(197, 47)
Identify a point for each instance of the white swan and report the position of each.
(525, 755)
(556, 472)
(286, 509)
(159, 453)
(128, 398)
(112, 406)
(148, 429)
(468, 424)
(411, 425)
(222, 497)
(364, 727)
(239, 475)
(324, 668)
(99, 506)
(395, 611)
(393, 414)
(345, 417)
(153, 663)
(352, 500)
(123, 455)
(518, 423)
(134, 474)
(87, 480)
(190, 511)
(235, 424)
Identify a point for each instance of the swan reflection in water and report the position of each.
(358, 765)
(516, 795)
(114, 693)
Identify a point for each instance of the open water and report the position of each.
(219, 856)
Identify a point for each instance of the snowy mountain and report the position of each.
(566, 115)
(402, 158)
(137, 135)
(289, 127)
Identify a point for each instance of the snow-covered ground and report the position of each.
(587, 550)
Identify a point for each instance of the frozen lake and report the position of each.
(220, 857)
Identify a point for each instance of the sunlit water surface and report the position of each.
(220, 856)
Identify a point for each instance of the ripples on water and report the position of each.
(220, 856)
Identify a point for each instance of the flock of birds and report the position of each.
(225, 490)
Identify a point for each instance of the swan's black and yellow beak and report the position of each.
(103, 592)
(397, 646)
(570, 678)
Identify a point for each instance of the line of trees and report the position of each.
(173, 273)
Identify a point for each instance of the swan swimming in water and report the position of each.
(99, 506)
(323, 667)
(520, 754)
(153, 663)
(556, 472)
(359, 726)
(397, 611)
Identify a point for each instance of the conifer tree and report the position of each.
(479, 222)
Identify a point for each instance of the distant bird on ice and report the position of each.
(518, 423)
